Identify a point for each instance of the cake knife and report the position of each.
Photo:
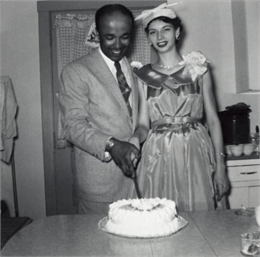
(136, 186)
(134, 177)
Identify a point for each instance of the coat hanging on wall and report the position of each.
(8, 129)
(8, 110)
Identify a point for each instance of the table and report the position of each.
(212, 233)
(10, 226)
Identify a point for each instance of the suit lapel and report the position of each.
(134, 95)
(104, 74)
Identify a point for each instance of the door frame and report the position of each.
(45, 9)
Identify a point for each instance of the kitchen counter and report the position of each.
(244, 176)
(212, 233)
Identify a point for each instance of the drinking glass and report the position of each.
(254, 138)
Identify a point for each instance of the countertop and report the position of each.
(212, 233)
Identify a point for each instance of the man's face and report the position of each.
(115, 35)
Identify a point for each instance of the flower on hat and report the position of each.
(146, 13)
(162, 10)
(196, 64)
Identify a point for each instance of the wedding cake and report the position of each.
(152, 217)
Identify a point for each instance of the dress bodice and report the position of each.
(179, 94)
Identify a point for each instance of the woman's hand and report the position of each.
(135, 141)
(221, 182)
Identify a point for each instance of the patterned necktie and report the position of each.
(125, 89)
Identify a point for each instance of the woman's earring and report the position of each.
(178, 34)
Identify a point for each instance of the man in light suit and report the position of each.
(97, 119)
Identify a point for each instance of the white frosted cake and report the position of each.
(152, 217)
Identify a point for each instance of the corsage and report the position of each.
(136, 65)
(195, 63)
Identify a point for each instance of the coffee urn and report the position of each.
(235, 124)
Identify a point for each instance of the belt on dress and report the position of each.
(175, 120)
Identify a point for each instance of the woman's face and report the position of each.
(161, 35)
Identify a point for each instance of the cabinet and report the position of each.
(244, 177)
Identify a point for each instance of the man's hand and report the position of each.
(122, 153)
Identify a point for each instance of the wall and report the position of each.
(252, 12)
(247, 59)
(20, 60)
(209, 29)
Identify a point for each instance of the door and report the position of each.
(63, 28)
(254, 196)
(69, 31)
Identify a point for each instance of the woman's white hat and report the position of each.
(162, 10)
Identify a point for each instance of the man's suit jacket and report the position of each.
(94, 109)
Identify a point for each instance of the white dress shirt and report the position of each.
(112, 68)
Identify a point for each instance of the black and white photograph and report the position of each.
(130, 128)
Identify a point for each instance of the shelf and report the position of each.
(243, 157)
(243, 162)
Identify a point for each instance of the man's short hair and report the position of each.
(110, 9)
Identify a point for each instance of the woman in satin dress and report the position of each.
(180, 160)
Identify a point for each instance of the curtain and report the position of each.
(72, 38)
